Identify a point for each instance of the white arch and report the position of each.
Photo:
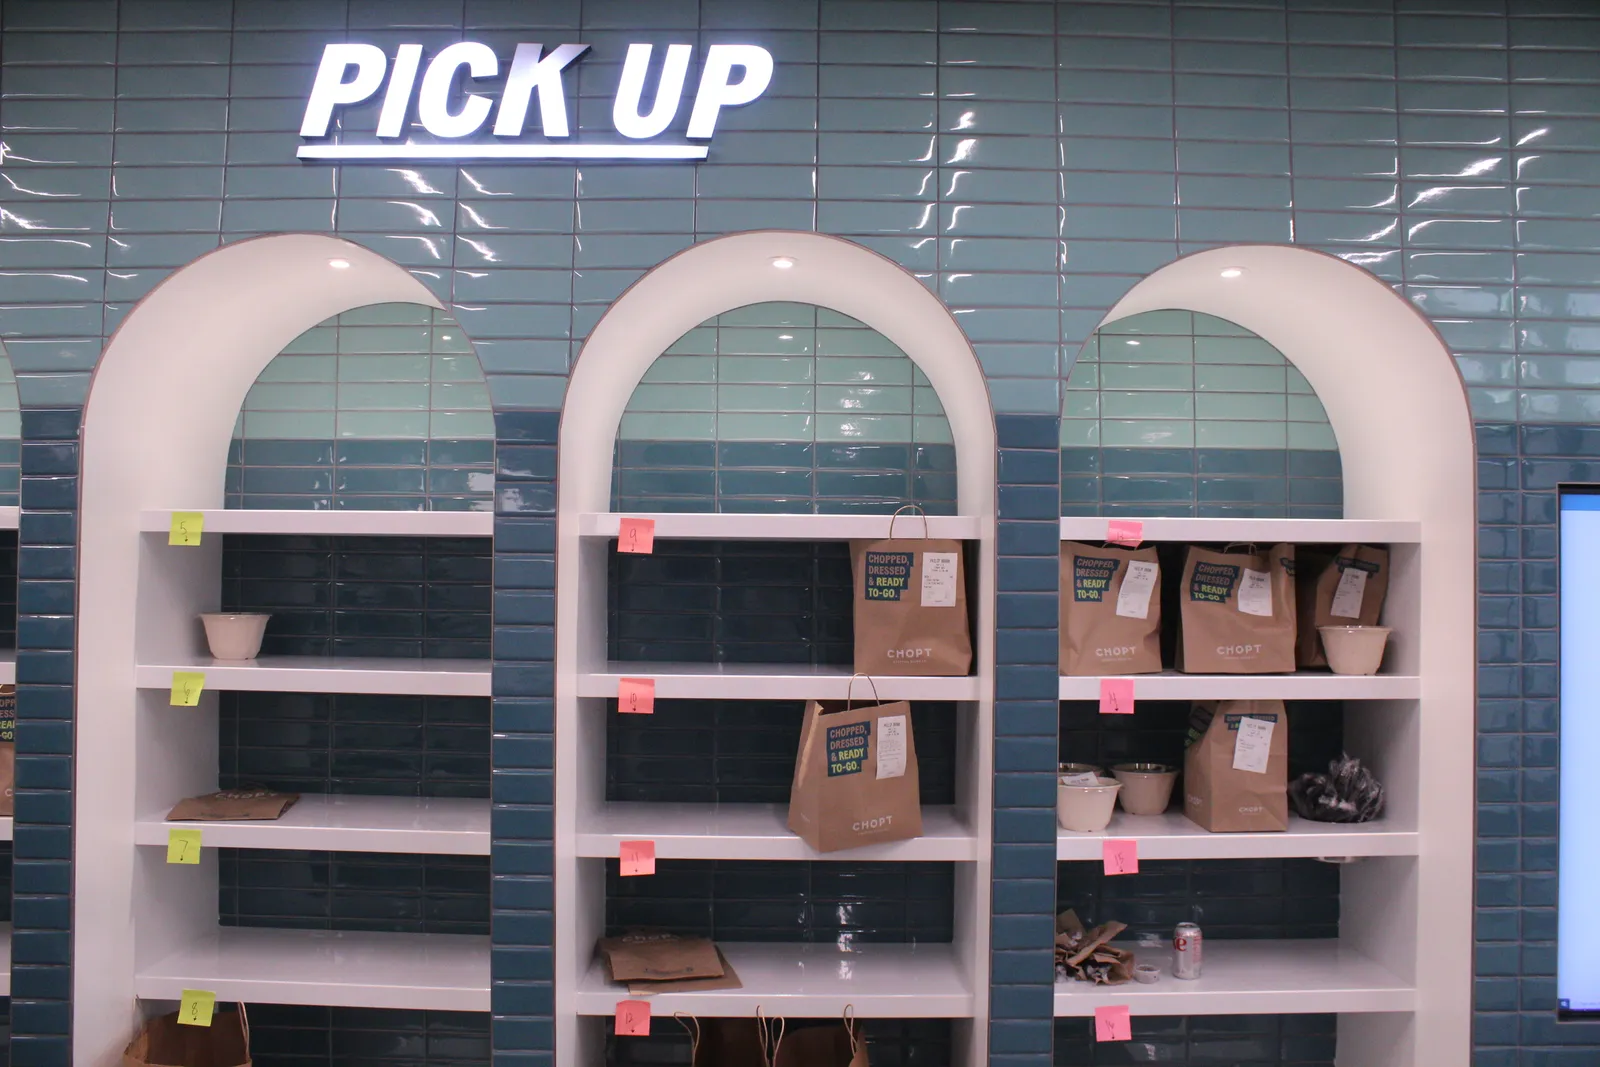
(159, 419)
(1399, 409)
(673, 298)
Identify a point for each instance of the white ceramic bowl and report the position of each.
(1146, 787)
(1086, 808)
(234, 636)
(1354, 649)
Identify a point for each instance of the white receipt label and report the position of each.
(938, 580)
(1133, 599)
(892, 731)
(1347, 596)
(1252, 747)
(1080, 778)
(1255, 593)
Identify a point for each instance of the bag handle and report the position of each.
(770, 1032)
(850, 688)
(1248, 546)
(244, 1024)
(694, 1034)
(850, 1029)
(917, 508)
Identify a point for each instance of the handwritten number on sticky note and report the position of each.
(186, 528)
(1116, 696)
(196, 1007)
(183, 846)
(186, 688)
(1121, 857)
(637, 857)
(633, 1018)
(636, 696)
(636, 535)
(1129, 532)
(1113, 1022)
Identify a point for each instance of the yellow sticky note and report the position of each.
(196, 1007)
(183, 846)
(186, 687)
(186, 528)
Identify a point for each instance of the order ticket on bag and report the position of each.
(1252, 746)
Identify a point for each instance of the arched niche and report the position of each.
(157, 426)
(704, 281)
(1399, 409)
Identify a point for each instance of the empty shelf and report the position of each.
(1303, 685)
(332, 523)
(441, 826)
(728, 526)
(772, 681)
(1259, 531)
(329, 674)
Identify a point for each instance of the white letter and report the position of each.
(715, 93)
(669, 94)
(397, 101)
(433, 103)
(529, 72)
(330, 89)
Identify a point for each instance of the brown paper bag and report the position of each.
(910, 605)
(732, 1042)
(1347, 590)
(164, 1042)
(658, 956)
(855, 780)
(1088, 955)
(728, 980)
(839, 1044)
(8, 749)
(1237, 612)
(1229, 788)
(1110, 610)
(233, 805)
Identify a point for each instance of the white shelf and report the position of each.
(756, 832)
(1261, 531)
(1302, 685)
(812, 981)
(5, 956)
(10, 519)
(439, 826)
(7, 831)
(725, 526)
(1251, 978)
(8, 666)
(1173, 837)
(445, 972)
(330, 674)
(771, 681)
(332, 523)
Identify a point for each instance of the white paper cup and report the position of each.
(1086, 808)
(1354, 649)
(234, 636)
(1146, 787)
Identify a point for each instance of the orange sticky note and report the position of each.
(633, 1018)
(636, 696)
(1116, 696)
(1121, 857)
(1125, 532)
(637, 535)
(1112, 1022)
(639, 857)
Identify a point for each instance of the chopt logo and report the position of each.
(731, 75)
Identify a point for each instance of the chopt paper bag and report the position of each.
(1110, 610)
(831, 1044)
(1237, 612)
(733, 1042)
(855, 779)
(910, 598)
(728, 980)
(1234, 778)
(1348, 590)
(8, 749)
(164, 1042)
(655, 955)
(233, 805)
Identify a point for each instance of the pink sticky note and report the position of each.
(1112, 1022)
(636, 696)
(639, 857)
(1124, 532)
(637, 535)
(633, 1018)
(1116, 696)
(1121, 857)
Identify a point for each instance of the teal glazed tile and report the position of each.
(1219, 57)
(1116, 87)
(1110, 120)
(997, 50)
(917, 49)
(889, 116)
(1228, 25)
(997, 83)
(1335, 26)
(1111, 53)
(1318, 61)
(860, 81)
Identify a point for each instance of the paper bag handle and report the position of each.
(850, 1029)
(909, 507)
(849, 690)
(771, 1035)
(1248, 546)
(694, 1034)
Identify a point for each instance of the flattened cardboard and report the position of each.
(233, 805)
(658, 956)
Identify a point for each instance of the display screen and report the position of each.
(1578, 924)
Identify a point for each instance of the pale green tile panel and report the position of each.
(459, 396)
(1176, 323)
(383, 424)
(868, 399)
(682, 370)
(771, 427)
(318, 339)
(856, 343)
(827, 318)
(267, 396)
(1167, 376)
(1084, 376)
(1297, 381)
(772, 313)
(699, 341)
(7, 375)
(1235, 350)
(387, 368)
(651, 426)
(674, 398)
(1147, 349)
(1090, 352)
(10, 424)
(765, 341)
(1239, 379)
(1082, 404)
(930, 430)
(456, 369)
(1211, 326)
(879, 370)
(389, 396)
(393, 314)
(289, 425)
(451, 339)
(788, 398)
(1146, 405)
(773, 370)
(287, 368)
(891, 429)
(1080, 433)
(1241, 435)
(918, 379)
(926, 402)
(1310, 435)
(384, 338)
(460, 425)
(1241, 406)
(1306, 409)
(1146, 433)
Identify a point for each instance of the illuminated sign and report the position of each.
(731, 75)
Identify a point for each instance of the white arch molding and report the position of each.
(160, 416)
(703, 281)
(1399, 409)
